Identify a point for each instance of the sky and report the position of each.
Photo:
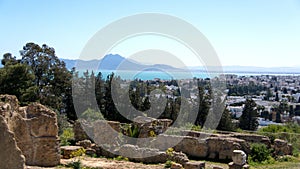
(263, 33)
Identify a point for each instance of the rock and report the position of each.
(179, 157)
(104, 150)
(90, 152)
(11, 156)
(252, 138)
(80, 129)
(148, 124)
(181, 144)
(199, 148)
(176, 166)
(106, 132)
(35, 130)
(145, 155)
(217, 167)
(222, 147)
(149, 155)
(194, 165)
(85, 144)
(282, 147)
(71, 151)
(236, 166)
(239, 157)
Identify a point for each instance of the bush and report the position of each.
(92, 115)
(62, 122)
(121, 158)
(259, 153)
(78, 153)
(287, 158)
(66, 137)
(289, 132)
(75, 164)
(168, 164)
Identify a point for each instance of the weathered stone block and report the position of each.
(282, 147)
(239, 157)
(236, 166)
(85, 144)
(194, 165)
(176, 166)
(11, 156)
(71, 151)
(35, 130)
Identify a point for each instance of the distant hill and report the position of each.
(114, 62)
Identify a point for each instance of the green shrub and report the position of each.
(168, 164)
(289, 132)
(66, 137)
(75, 164)
(121, 158)
(91, 115)
(259, 153)
(287, 158)
(62, 122)
(190, 126)
(131, 130)
(170, 152)
(78, 153)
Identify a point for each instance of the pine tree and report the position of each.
(226, 122)
(248, 120)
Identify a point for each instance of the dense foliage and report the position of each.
(259, 152)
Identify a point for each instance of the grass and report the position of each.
(281, 165)
(294, 164)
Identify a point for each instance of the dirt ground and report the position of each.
(103, 163)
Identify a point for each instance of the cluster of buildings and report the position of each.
(274, 89)
(278, 89)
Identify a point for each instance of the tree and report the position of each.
(277, 97)
(51, 75)
(17, 79)
(9, 59)
(248, 120)
(291, 110)
(225, 123)
(204, 105)
(269, 94)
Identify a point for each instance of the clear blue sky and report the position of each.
(243, 32)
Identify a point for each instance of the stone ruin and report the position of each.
(34, 129)
(214, 146)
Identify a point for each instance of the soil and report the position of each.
(103, 163)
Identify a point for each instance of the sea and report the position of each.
(181, 75)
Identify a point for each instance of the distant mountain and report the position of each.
(114, 62)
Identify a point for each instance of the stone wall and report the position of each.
(35, 130)
(250, 138)
(212, 147)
